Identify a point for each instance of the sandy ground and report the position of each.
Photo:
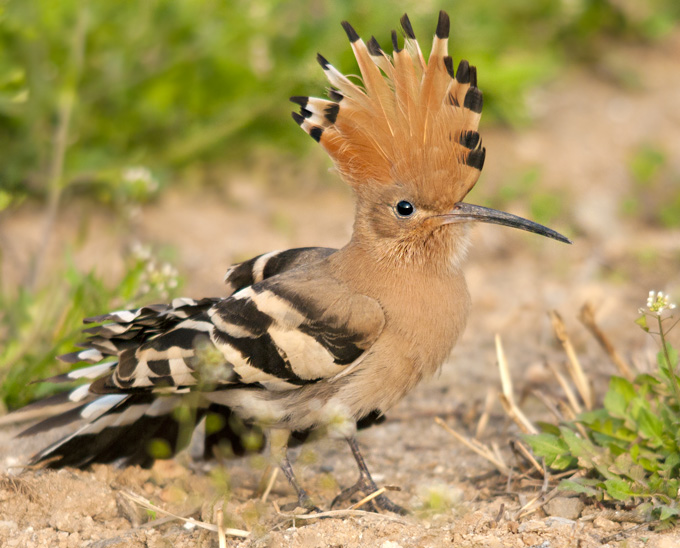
(585, 128)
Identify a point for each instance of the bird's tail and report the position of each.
(135, 427)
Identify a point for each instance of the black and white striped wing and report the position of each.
(294, 330)
(271, 264)
(278, 334)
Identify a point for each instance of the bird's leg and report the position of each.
(279, 450)
(366, 485)
(303, 498)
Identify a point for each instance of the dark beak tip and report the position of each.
(470, 212)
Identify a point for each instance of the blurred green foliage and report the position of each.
(36, 326)
(655, 194)
(104, 86)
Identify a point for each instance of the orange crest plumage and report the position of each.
(411, 122)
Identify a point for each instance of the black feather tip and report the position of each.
(463, 72)
(316, 132)
(335, 95)
(469, 139)
(448, 63)
(331, 112)
(473, 76)
(406, 25)
(373, 47)
(351, 33)
(474, 100)
(299, 100)
(298, 118)
(443, 25)
(475, 158)
(395, 42)
(322, 61)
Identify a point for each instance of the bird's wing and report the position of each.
(298, 328)
(284, 332)
(271, 264)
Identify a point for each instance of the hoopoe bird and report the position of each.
(310, 338)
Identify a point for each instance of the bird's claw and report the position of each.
(367, 486)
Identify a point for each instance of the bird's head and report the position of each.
(407, 142)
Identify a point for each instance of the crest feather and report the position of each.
(411, 122)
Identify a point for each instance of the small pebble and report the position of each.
(564, 507)
(531, 525)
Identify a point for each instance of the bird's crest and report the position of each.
(411, 122)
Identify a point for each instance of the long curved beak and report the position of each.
(464, 212)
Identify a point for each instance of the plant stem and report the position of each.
(671, 369)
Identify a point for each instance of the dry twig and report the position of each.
(368, 498)
(526, 453)
(574, 365)
(507, 397)
(222, 537)
(343, 514)
(486, 414)
(479, 448)
(587, 318)
(574, 406)
(145, 503)
(270, 484)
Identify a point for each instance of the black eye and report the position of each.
(405, 209)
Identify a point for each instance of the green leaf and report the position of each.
(667, 512)
(671, 488)
(615, 403)
(592, 417)
(625, 466)
(548, 446)
(646, 379)
(671, 461)
(618, 489)
(584, 450)
(635, 451)
(577, 486)
(650, 426)
(563, 462)
(642, 322)
(548, 428)
(622, 386)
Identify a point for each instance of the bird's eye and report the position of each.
(405, 209)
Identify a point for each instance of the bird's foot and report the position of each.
(366, 486)
(304, 501)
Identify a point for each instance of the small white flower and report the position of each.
(141, 174)
(657, 302)
(141, 252)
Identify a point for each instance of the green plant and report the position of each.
(37, 326)
(629, 449)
